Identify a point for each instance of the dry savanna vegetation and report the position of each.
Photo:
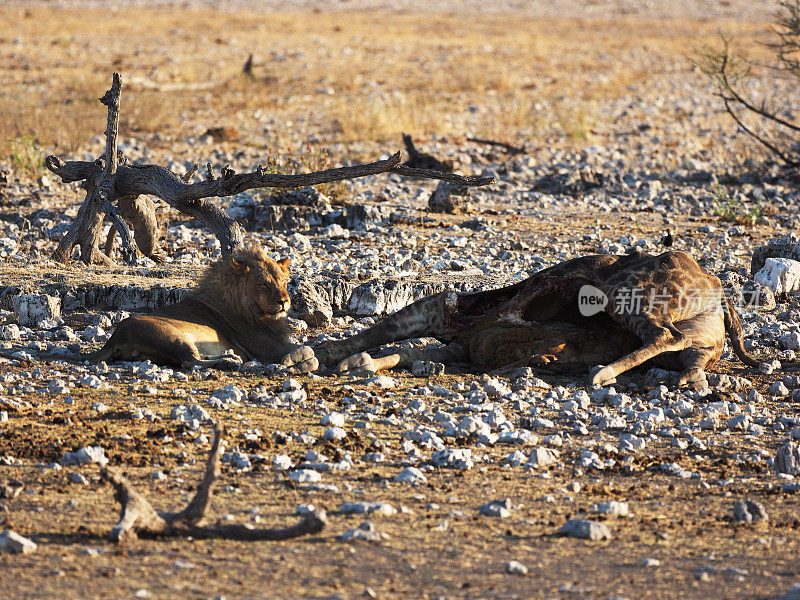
(621, 140)
(341, 77)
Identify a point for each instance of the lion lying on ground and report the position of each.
(662, 308)
(239, 304)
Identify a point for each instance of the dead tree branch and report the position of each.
(107, 182)
(139, 518)
(728, 72)
(85, 229)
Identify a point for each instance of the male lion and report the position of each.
(239, 304)
(665, 308)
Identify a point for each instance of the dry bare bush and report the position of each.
(769, 117)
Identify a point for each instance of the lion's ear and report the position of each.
(238, 267)
(284, 264)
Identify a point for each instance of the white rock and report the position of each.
(787, 460)
(410, 475)
(85, 456)
(790, 341)
(228, 396)
(305, 476)
(521, 437)
(651, 562)
(334, 419)
(611, 508)
(13, 543)
(792, 594)
(496, 508)
(366, 532)
(367, 508)
(541, 457)
(458, 458)
(781, 275)
(584, 529)
(9, 332)
(282, 462)
(333, 434)
(34, 308)
(516, 568)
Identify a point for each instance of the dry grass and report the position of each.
(431, 74)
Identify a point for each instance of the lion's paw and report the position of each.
(301, 360)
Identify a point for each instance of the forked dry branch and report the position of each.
(108, 180)
(139, 518)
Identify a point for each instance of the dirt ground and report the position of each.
(351, 81)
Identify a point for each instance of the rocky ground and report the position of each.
(451, 486)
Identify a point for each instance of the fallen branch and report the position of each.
(139, 518)
(107, 183)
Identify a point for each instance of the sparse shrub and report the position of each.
(26, 155)
(309, 159)
(733, 210)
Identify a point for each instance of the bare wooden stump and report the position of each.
(109, 180)
(139, 518)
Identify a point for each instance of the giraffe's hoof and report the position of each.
(695, 379)
(359, 365)
(301, 360)
(602, 376)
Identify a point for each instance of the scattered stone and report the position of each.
(10, 488)
(334, 434)
(783, 247)
(457, 458)
(612, 508)
(78, 478)
(749, 511)
(305, 476)
(787, 460)
(541, 457)
(32, 309)
(496, 508)
(514, 567)
(426, 368)
(650, 562)
(309, 304)
(14, 543)
(367, 508)
(333, 419)
(585, 529)
(226, 397)
(410, 475)
(85, 456)
(792, 594)
(282, 462)
(364, 532)
(780, 275)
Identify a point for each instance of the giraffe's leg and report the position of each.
(661, 338)
(424, 317)
(363, 364)
(695, 360)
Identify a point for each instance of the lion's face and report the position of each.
(250, 283)
(266, 288)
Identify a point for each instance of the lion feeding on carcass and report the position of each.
(239, 304)
(665, 309)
